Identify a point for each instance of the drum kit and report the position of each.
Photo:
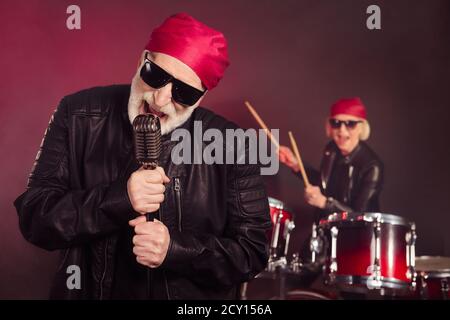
(351, 255)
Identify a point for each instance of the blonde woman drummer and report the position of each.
(351, 174)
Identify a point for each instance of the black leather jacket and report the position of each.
(76, 200)
(352, 183)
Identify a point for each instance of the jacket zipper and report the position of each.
(177, 188)
(167, 285)
(104, 269)
(350, 183)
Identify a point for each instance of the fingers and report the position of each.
(152, 176)
(165, 179)
(287, 157)
(286, 151)
(140, 220)
(155, 176)
(142, 229)
(144, 261)
(137, 221)
(153, 188)
(146, 189)
(140, 251)
(283, 158)
(313, 196)
(145, 207)
(156, 189)
(312, 192)
(150, 242)
(311, 189)
(145, 199)
(141, 260)
(153, 198)
(147, 241)
(149, 228)
(283, 149)
(282, 152)
(149, 248)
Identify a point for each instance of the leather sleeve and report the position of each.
(371, 184)
(242, 251)
(51, 214)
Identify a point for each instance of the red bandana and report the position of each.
(193, 43)
(351, 106)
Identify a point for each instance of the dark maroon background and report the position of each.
(290, 58)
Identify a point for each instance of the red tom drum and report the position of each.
(370, 250)
(433, 278)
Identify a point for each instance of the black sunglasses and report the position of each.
(350, 124)
(156, 77)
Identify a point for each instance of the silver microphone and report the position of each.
(147, 143)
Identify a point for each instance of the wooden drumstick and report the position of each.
(299, 160)
(262, 124)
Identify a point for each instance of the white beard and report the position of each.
(173, 118)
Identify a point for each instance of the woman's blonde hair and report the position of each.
(365, 129)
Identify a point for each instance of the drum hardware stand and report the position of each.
(411, 238)
(423, 287)
(374, 281)
(287, 235)
(282, 287)
(295, 263)
(315, 244)
(444, 289)
(333, 264)
(275, 261)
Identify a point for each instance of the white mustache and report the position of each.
(147, 97)
(139, 94)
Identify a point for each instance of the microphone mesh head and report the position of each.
(147, 139)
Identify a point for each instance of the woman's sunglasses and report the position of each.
(350, 124)
(156, 77)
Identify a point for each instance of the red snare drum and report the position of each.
(372, 250)
(433, 278)
(283, 224)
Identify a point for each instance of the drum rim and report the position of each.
(390, 283)
(435, 274)
(308, 292)
(431, 271)
(283, 206)
(385, 218)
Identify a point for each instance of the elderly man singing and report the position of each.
(88, 197)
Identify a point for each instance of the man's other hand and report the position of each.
(151, 241)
